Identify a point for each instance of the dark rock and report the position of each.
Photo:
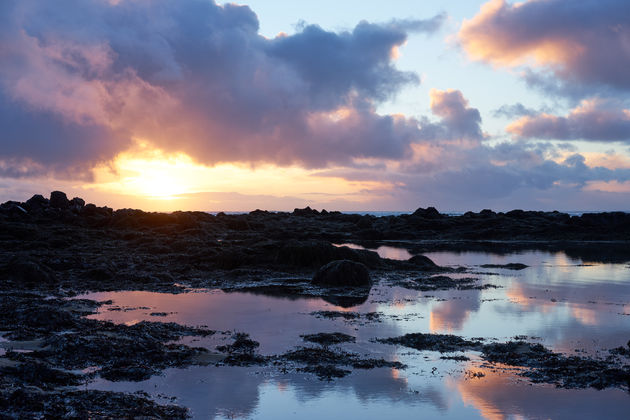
(59, 200)
(27, 273)
(77, 203)
(327, 339)
(99, 274)
(242, 352)
(622, 351)
(307, 211)
(237, 223)
(40, 375)
(324, 362)
(428, 213)
(517, 214)
(423, 262)
(14, 210)
(365, 222)
(36, 202)
(31, 403)
(510, 266)
(342, 273)
(444, 283)
(316, 253)
(434, 342)
(89, 209)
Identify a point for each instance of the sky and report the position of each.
(355, 105)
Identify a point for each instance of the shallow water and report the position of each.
(561, 302)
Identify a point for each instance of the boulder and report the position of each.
(59, 200)
(36, 202)
(342, 273)
(423, 262)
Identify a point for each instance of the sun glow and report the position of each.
(150, 174)
(152, 179)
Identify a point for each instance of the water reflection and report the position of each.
(565, 304)
(451, 315)
(384, 251)
(500, 395)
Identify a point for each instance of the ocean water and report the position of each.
(399, 213)
(569, 305)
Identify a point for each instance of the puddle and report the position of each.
(393, 253)
(564, 304)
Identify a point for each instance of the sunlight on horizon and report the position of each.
(151, 174)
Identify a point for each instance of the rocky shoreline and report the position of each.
(53, 249)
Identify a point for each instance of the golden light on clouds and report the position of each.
(152, 175)
(483, 38)
(610, 186)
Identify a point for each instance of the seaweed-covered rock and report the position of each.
(327, 339)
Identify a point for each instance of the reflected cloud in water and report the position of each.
(566, 304)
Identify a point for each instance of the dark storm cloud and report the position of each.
(81, 78)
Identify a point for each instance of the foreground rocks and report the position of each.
(539, 364)
(65, 350)
(30, 403)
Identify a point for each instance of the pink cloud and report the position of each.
(585, 41)
(593, 120)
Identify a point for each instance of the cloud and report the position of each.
(455, 167)
(427, 26)
(82, 78)
(458, 121)
(514, 110)
(593, 120)
(579, 42)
